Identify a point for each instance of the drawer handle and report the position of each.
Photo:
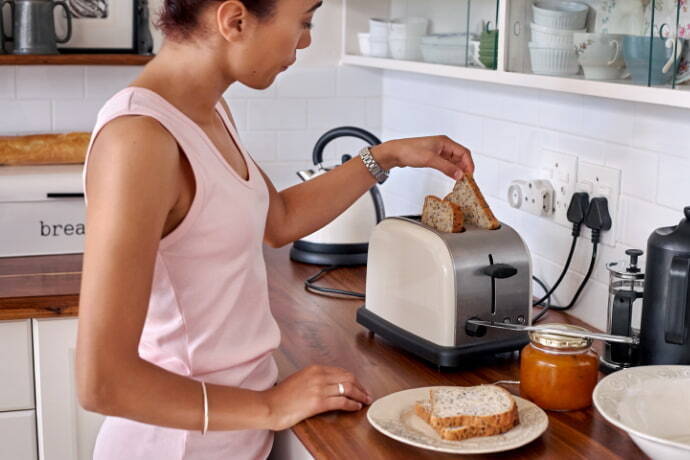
(64, 195)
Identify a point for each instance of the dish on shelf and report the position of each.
(364, 43)
(378, 47)
(406, 48)
(547, 36)
(378, 28)
(413, 26)
(553, 61)
(560, 15)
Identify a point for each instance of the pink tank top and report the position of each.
(208, 315)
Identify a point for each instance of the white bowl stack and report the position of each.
(377, 37)
(405, 38)
(552, 49)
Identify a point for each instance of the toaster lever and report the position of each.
(500, 271)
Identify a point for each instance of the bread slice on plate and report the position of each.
(442, 215)
(467, 195)
(459, 413)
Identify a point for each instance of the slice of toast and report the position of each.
(489, 408)
(467, 412)
(442, 215)
(467, 195)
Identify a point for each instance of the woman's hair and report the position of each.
(178, 18)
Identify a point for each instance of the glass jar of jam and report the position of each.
(558, 372)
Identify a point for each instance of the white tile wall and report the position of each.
(506, 128)
(278, 126)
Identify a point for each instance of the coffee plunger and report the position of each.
(626, 291)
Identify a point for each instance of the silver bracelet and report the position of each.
(205, 428)
(372, 165)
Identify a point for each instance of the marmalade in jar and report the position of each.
(558, 372)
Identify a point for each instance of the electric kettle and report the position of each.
(344, 241)
(665, 326)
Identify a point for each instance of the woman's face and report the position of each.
(268, 46)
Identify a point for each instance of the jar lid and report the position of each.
(553, 340)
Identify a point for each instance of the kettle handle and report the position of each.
(68, 15)
(343, 131)
(676, 330)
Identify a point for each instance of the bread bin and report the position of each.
(41, 210)
(423, 285)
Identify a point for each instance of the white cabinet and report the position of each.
(65, 430)
(18, 435)
(16, 372)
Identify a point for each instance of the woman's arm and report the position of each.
(307, 207)
(133, 182)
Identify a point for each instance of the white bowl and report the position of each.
(364, 44)
(651, 403)
(553, 61)
(444, 54)
(378, 47)
(547, 36)
(379, 28)
(405, 48)
(408, 27)
(560, 14)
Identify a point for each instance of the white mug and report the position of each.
(600, 55)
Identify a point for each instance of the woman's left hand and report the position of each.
(438, 152)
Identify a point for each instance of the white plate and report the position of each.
(651, 403)
(394, 416)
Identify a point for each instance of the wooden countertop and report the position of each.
(322, 330)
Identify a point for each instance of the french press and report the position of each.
(626, 291)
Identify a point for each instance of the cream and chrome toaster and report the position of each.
(423, 285)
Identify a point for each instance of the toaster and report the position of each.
(423, 285)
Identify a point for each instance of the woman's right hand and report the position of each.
(311, 391)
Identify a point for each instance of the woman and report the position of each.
(176, 335)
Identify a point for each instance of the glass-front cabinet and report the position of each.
(637, 42)
(634, 50)
(447, 32)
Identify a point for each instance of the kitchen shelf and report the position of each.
(513, 67)
(678, 97)
(74, 59)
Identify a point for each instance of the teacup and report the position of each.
(600, 55)
(636, 50)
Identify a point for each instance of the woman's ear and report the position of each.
(231, 19)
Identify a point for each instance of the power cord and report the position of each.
(547, 305)
(577, 210)
(597, 219)
(311, 287)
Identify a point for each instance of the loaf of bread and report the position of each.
(44, 149)
(466, 412)
(442, 215)
(467, 195)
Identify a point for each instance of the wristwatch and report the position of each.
(374, 168)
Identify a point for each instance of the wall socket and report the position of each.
(603, 181)
(534, 196)
(561, 170)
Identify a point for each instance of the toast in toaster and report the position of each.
(465, 412)
(442, 215)
(44, 149)
(467, 195)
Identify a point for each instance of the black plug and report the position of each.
(598, 218)
(577, 210)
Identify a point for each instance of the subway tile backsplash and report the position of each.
(644, 141)
(505, 127)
